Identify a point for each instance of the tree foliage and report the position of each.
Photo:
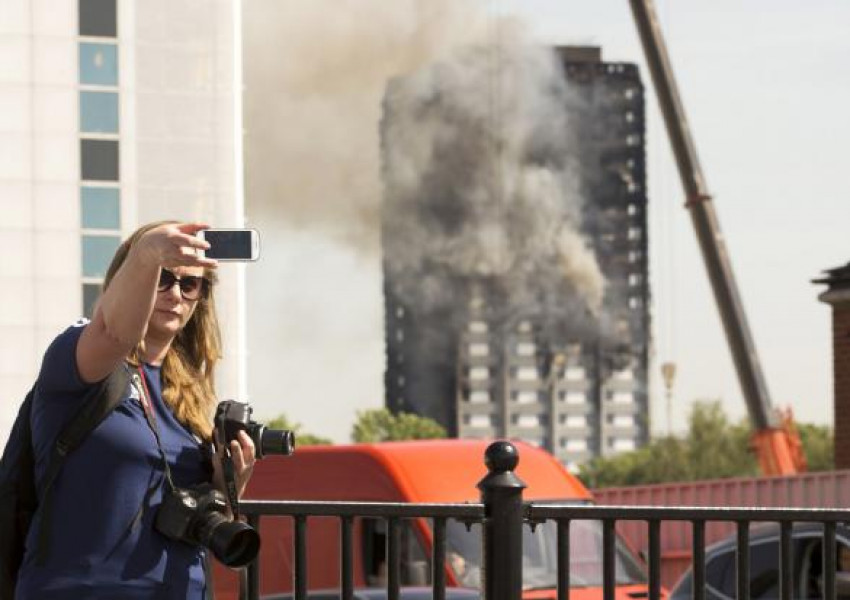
(380, 425)
(301, 438)
(818, 446)
(713, 448)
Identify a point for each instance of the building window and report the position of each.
(99, 160)
(479, 373)
(479, 349)
(624, 375)
(98, 251)
(622, 420)
(574, 373)
(478, 327)
(526, 373)
(526, 420)
(101, 208)
(98, 18)
(98, 112)
(622, 397)
(621, 444)
(576, 421)
(478, 420)
(574, 445)
(479, 397)
(98, 64)
(525, 397)
(526, 349)
(91, 292)
(575, 398)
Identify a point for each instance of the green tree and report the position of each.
(301, 438)
(380, 425)
(713, 448)
(818, 446)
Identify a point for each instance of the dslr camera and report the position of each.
(231, 417)
(198, 515)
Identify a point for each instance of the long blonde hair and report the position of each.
(188, 370)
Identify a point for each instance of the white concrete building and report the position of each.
(112, 113)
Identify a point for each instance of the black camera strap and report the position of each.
(228, 471)
(150, 417)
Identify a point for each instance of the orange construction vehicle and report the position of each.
(433, 471)
(775, 439)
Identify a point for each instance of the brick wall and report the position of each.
(841, 366)
(838, 296)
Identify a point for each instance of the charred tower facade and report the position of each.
(512, 343)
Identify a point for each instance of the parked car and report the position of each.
(406, 593)
(807, 564)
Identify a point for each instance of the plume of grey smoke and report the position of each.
(482, 180)
(315, 73)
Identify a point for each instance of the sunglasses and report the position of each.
(192, 287)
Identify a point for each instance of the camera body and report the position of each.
(231, 417)
(185, 509)
(198, 515)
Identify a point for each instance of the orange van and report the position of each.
(432, 471)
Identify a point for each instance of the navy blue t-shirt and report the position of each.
(102, 539)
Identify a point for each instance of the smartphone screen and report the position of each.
(231, 244)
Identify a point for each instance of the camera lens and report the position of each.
(276, 441)
(233, 543)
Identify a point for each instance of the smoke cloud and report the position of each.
(483, 181)
(316, 91)
(315, 72)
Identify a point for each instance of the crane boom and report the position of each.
(773, 438)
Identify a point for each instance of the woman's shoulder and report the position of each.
(59, 364)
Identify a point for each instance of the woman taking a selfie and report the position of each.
(156, 318)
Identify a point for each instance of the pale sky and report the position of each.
(766, 86)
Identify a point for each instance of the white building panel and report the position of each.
(15, 204)
(14, 58)
(56, 207)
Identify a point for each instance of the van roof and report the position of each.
(440, 470)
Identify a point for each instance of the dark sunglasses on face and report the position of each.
(192, 287)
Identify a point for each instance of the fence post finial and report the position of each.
(501, 493)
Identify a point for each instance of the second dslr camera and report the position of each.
(232, 417)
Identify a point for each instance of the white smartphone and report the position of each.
(231, 244)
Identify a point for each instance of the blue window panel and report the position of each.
(98, 64)
(98, 112)
(101, 208)
(97, 254)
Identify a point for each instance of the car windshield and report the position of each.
(539, 555)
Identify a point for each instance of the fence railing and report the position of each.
(503, 515)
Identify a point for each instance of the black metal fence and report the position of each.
(503, 515)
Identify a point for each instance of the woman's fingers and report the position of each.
(243, 453)
(184, 247)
